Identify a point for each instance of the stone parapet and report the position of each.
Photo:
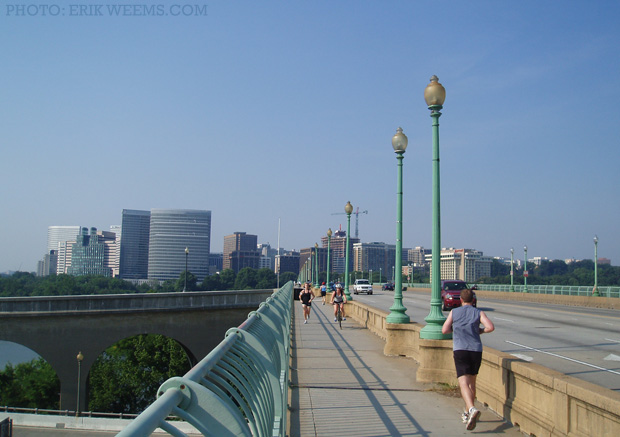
(541, 401)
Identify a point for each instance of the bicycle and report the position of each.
(339, 316)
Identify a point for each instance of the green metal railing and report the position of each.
(566, 290)
(240, 388)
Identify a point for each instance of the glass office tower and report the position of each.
(171, 231)
(134, 250)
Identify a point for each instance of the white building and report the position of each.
(465, 264)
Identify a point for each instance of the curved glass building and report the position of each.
(171, 231)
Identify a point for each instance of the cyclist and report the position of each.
(338, 301)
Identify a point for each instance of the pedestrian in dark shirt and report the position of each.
(464, 322)
(306, 297)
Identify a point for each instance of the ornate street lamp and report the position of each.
(186, 255)
(525, 272)
(595, 291)
(435, 95)
(316, 264)
(512, 271)
(348, 209)
(79, 357)
(329, 242)
(398, 311)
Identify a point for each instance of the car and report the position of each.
(451, 293)
(362, 286)
(387, 286)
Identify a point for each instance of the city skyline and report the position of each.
(279, 112)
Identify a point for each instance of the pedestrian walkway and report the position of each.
(343, 385)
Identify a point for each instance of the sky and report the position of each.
(274, 114)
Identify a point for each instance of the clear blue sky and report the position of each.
(267, 110)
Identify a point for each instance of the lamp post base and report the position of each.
(435, 321)
(397, 314)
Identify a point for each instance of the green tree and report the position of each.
(265, 279)
(125, 378)
(246, 279)
(286, 277)
(191, 282)
(30, 385)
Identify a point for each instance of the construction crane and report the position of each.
(357, 219)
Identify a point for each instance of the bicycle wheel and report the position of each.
(340, 317)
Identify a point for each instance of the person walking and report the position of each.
(464, 322)
(323, 292)
(306, 297)
(338, 301)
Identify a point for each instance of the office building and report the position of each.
(378, 257)
(240, 250)
(60, 234)
(338, 248)
(287, 262)
(134, 244)
(215, 262)
(92, 254)
(48, 265)
(171, 231)
(465, 264)
(417, 256)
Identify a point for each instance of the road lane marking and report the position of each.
(611, 339)
(612, 357)
(506, 320)
(565, 358)
(523, 357)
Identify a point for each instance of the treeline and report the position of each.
(28, 284)
(556, 272)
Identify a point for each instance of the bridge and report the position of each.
(341, 382)
(58, 328)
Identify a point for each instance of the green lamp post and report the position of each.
(348, 209)
(595, 291)
(80, 358)
(185, 283)
(329, 242)
(316, 264)
(525, 272)
(398, 310)
(512, 271)
(435, 95)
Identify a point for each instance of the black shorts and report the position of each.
(467, 362)
(307, 304)
(323, 293)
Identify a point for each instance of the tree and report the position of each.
(246, 279)
(286, 277)
(30, 385)
(191, 282)
(265, 278)
(125, 378)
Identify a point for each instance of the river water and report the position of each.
(14, 353)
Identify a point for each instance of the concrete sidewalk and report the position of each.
(342, 384)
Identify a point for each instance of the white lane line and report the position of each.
(611, 339)
(523, 357)
(505, 320)
(565, 358)
(612, 357)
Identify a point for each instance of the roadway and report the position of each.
(577, 341)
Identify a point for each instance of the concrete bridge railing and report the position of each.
(239, 388)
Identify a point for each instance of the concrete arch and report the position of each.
(197, 321)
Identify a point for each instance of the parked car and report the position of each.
(451, 293)
(362, 286)
(387, 286)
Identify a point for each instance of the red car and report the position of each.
(451, 293)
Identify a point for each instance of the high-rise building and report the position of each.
(417, 256)
(48, 265)
(173, 230)
(338, 247)
(240, 250)
(464, 264)
(60, 234)
(378, 257)
(287, 262)
(215, 262)
(134, 244)
(93, 254)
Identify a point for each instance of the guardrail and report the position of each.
(566, 290)
(239, 388)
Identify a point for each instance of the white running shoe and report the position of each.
(474, 414)
(464, 417)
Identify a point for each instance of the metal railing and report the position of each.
(566, 290)
(239, 388)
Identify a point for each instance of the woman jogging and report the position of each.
(338, 300)
(306, 297)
